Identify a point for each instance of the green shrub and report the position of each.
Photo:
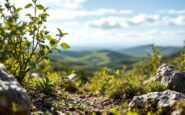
(126, 91)
(26, 43)
(69, 86)
(46, 85)
(154, 86)
(148, 67)
(102, 82)
(114, 111)
(179, 59)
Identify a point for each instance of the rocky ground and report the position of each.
(15, 100)
(83, 104)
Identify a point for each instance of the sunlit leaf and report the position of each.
(40, 7)
(49, 38)
(53, 42)
(64, 45)
(28, 15)
(28, 5)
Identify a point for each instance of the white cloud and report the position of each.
(69, 4)
(173, 11)
(140, 19)
(144, 18)
(159, 37)
(177, 21)
(55, 4)
(70, 9)
(119, 22)
(97, 37)
(108, 23)
(72, 14)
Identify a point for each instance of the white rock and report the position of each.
(71, 76)
(165, 99)
(170, 76)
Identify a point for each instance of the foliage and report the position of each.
(107, 81)
(126, 91)
(117, 85)
(148, 66)
(26, 43)
(56, 106)
(114, 111)
(155, 58)
(179, 59)
(46, 85)
(69, 85)
(180, 106)
(132, 113)
(104, 82)
(154, 86)
(122, 84)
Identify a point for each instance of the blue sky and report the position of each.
(117, 23)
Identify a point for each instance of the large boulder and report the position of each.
(156, 100)
(170, 76)
(13, 98)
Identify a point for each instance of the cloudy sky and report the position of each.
(117, 23)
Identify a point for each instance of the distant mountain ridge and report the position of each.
(101, 58)
(108, 58)
(141, 51)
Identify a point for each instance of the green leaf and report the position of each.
(28, 15)
(7, 6)
(28, 5)
(59, 30)
(40, 7)
(61, 34)
(42, 32)
(64, 46)
(18, 9)
(52, 42)
(32, 65)
(42, 46)
(49, 38)
(41, 52)
(50, 83)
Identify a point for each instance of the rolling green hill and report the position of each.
(85, 63)
(95, 58)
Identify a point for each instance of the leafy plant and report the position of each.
(106, 81)
(46, 85)
(154, 86)
(179, 59)
(114, 111)
(56, 106)
(126, 91)
(149, 66)
(155, 58)
(25, 44)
